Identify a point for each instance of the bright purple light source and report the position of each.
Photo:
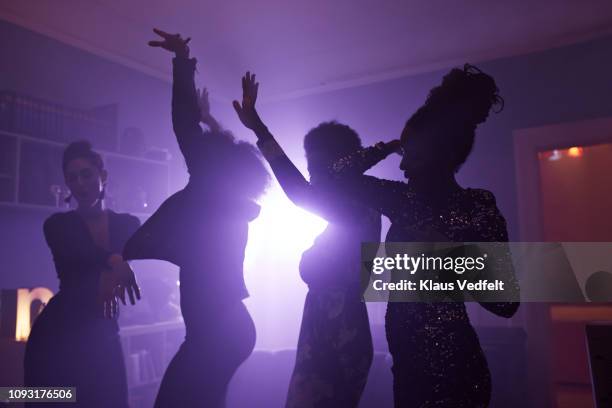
(277, 239)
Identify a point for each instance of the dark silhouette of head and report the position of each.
(84, 173)
(439, 136)
(598, 287)
(325, 144)
(234, 167)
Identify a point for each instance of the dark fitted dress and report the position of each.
(203, 229)
(71, 343)
(437, 358)
(334, 350)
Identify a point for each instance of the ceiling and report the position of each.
(301, 47)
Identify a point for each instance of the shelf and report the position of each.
(133, 180)
(51, 209)
(104, 153)
(19, 206)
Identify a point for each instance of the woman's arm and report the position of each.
(186, 113)
(293, 183)
(382, 195)
(291, 180)
(491, 227)
(385, 196)
(185, 109)
(364, 159)
(326, 203)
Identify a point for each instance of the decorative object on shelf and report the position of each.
(60, 194)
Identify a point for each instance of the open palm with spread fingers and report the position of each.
(171, 42)
(246, 111)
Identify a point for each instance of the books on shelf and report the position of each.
(52, 121)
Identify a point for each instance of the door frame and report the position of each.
(527, 143)
(537, 319)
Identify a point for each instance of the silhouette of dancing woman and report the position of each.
(334, 349)
(75, 341)
(204, 229)
(437, 358)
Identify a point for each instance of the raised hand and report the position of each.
(171, 42)
(246, 111)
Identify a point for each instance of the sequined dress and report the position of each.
(437, 358)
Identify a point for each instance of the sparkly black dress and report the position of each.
(437, 358)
